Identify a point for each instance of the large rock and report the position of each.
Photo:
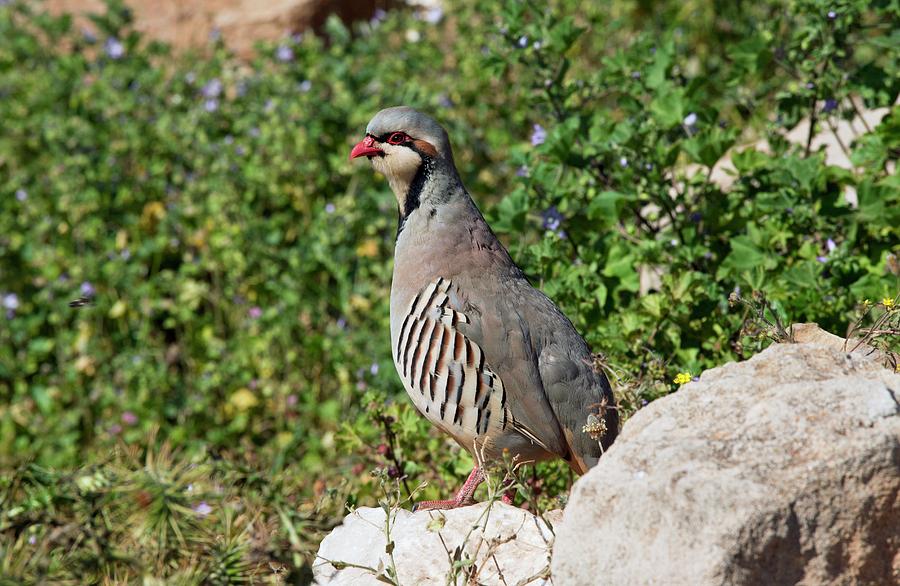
(498, 538)
(784, 469)
(240, 22)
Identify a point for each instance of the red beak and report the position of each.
(365, 148)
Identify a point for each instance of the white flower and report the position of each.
(11, 301)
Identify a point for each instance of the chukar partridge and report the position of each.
(485, 356)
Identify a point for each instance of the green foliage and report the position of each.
(231, 270)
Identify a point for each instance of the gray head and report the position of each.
(407, 147)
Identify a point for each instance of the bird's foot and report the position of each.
(453, 503)
(463, 498)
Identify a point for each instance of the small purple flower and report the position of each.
(228, 139)
(254, 132)
(433, 15)
(88, 35)
(129, 418)
(538, 135)
(810, 85)
(373, 369)
(821, 259)
(190, 77)
(113, 48)
(444, 101)
(291, 400)
(830, 105)
(690, 123)
(830, 245)
(695, 217)
(202, 509)
(341, 323)
(832, 15)
(255, 312)
(125, 254)
(623, 161)
(377, 16)
(552, 218)
(240, 150)
(21, 194)
(32, 540)
(11, 301)
(284, 54)
(211, 105)
(87, 289)
(304, 86)
(329, 208)
(635, 75)
(115, 429)
(212, 89)
(253, 384)
(644, 402)
(522, 42)
(522, 171)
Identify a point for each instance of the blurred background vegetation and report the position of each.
(195, 378)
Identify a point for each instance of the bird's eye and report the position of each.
(398, 138)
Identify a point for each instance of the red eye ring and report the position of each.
(397, 138)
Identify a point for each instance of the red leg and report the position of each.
(462, 498)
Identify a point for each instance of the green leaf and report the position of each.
(607, 206)
(668, 107)
(744, 256)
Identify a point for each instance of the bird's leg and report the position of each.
(463, 496)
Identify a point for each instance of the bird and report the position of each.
(484, 356)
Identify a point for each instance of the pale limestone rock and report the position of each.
(500, 538)
(784, 469)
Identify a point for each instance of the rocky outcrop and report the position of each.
(240, 22)
(784, 469)
(481, 544)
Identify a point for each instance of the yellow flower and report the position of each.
(682, 378)
(888, 303)
(243, 399)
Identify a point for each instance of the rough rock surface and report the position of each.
(241, 22)
(784, 469)
(811, 333)
(500, 538)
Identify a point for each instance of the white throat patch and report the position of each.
(399, 165)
